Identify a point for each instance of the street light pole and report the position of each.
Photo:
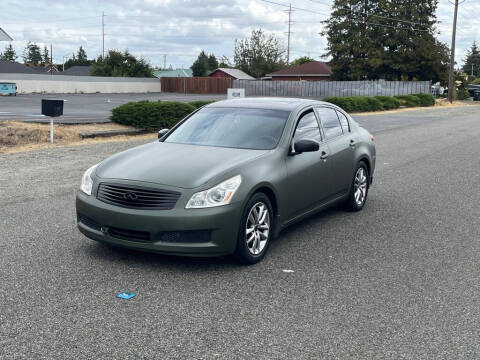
(451, 86)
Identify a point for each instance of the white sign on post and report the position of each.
(235, 93)
(51, 130)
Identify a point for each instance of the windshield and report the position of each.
(243, 128)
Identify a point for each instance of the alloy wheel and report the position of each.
(257, 228)
(360, 186)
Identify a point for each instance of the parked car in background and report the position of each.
(228, 178)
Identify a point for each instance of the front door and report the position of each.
(308, 173)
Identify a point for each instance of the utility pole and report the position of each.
(103, 35)
(451, 85)
(51, 58)
(289, 32)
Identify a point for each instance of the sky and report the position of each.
(177, 30)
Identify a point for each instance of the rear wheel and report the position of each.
(359, 188)
(256, 229)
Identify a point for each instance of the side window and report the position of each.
(331, 124)
(343, 122)
(307, 128)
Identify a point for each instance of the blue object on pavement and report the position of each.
(125, 295)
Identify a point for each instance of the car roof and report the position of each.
(274, 103)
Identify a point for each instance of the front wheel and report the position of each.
(359, 188)
(256, 229)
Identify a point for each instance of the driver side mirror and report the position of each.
(302, 146)
(162, 133)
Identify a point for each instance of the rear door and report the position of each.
(308, 173)
(341, 143)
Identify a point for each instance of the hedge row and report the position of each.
(200, 103)
(153, 115)
(375, 103)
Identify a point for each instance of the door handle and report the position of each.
(324, 155)
(352, 143)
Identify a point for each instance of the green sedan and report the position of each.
(228, 178)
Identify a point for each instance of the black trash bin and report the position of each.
(476, 95)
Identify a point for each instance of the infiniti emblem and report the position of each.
(130, 196)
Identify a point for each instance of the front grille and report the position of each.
(88, 222)
(198, 236)
(136, 197)
(132, 235)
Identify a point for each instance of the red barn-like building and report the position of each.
(311, 71)
(231, 73)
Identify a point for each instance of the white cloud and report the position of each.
(181, 28)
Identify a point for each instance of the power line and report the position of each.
(395, 27)
(351, 11)
(294, 7)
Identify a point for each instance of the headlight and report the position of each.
(218, 195)
(87, 181)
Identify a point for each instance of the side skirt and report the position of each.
(314, 210)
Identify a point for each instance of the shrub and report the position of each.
(151, 115)
(388, 102)
(462, 94)
(370, 103)
(355, 103)
(199, 103)
(476, 81)
(425, 99)
(408, 100)
(345, 103)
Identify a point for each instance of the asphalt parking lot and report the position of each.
(82, 108)
(399, 279)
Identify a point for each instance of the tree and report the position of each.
(212, 63)
(472, 61)
(224, 62)
(258, 55)
(120, 64)
(81, 54)
(200, 65)
(301, 60)
(204, 64)
(31, 54)
(9, 54)
(80, 59)
(390, 39)
(45, 56)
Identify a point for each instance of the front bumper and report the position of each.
(180, 231)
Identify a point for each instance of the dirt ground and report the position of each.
(439, 103)
(20, 136)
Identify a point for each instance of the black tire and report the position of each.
(352, 204)
(244, 250)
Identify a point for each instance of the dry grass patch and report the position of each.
(438, 103)
(19, 136)
(445, 102)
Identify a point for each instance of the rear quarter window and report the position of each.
(330, 122)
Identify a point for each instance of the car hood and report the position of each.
(178, 165)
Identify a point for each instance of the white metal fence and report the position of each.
(321, 89)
